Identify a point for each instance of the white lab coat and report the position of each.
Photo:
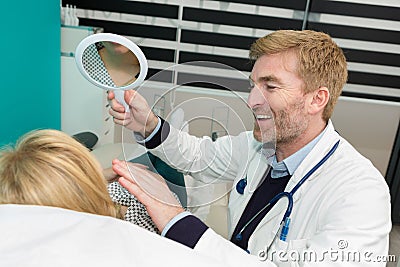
(342, 209)
(38, 236)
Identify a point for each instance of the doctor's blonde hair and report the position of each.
(50, 168)
(321, 60)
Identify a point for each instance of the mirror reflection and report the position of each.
(111, 64)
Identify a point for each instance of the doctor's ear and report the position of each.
(320, 98)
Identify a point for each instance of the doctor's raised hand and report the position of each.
(139, 118)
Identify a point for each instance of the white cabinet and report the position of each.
(83, 105)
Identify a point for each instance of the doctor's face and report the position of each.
(277, 99)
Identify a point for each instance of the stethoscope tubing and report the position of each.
(289, 195)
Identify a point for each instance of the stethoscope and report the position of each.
(284, 225)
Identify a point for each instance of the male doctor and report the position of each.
(340, 214)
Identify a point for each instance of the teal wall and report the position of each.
(29, 67)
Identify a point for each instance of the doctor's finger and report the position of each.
(133, 172)
(137, 173)
(110, 95)
(142, 169)
(121, 122)
(121, 168)
(135, 190)
(138, 165)
(151, 183)
(114, 104)
(119, 115)
(141, 194)
(146, 179)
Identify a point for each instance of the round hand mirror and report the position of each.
(111, 62)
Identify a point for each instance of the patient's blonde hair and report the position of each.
(50, 168)
(321, 60)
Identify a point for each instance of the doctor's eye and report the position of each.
(270, 87)
(251, 86)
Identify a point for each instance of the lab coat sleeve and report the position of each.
(187, 231)
(193, 233)
(205, 160)
(217, 247)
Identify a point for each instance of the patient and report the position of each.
(55, 211)
(50, 168)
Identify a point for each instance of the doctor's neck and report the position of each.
(286, 148)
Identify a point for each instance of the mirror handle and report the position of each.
(119, 96)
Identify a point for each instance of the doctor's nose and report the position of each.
(256, 98)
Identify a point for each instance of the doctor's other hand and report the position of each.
(140, 118)
(151, 190)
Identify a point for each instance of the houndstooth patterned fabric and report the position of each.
(136, 213)
(94, 66)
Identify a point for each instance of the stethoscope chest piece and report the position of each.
(241, 185)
